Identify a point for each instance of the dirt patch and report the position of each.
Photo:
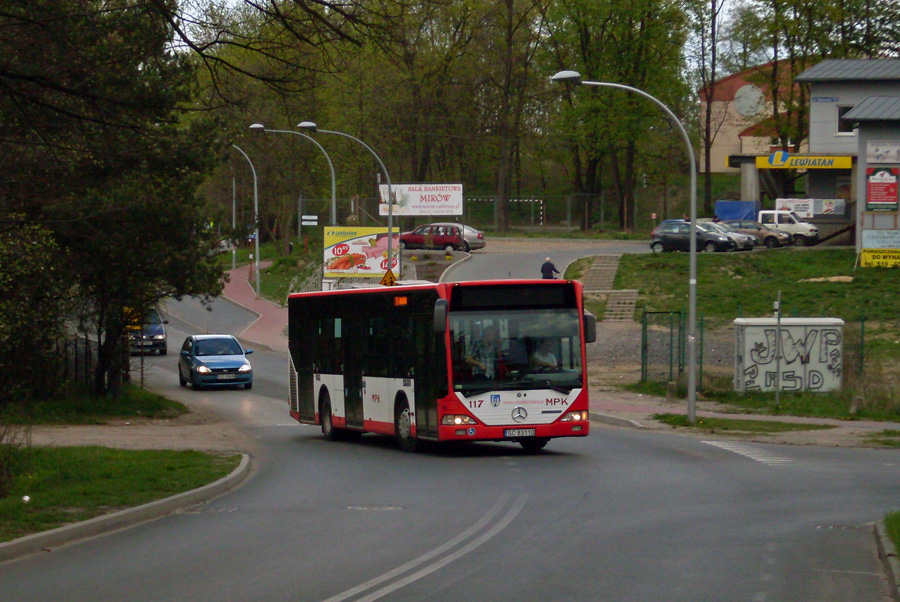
(199, 430)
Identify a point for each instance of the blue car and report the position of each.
(214, 360)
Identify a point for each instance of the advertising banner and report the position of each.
(358, 252)
(423, 199)
(785, 160)
(881, 188)
(879, 258)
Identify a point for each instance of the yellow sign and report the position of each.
(880, 258)
(785, 160)
(389, 279)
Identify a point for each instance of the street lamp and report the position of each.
(575, 77)
(255, 216)
(311, 126)
(261, 128)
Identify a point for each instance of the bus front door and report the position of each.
(354, 331)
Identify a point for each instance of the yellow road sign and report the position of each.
(389, 278)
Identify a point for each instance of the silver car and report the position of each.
(474, 238)
(742, 242)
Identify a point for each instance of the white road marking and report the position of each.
(751, 452)
(440, 550)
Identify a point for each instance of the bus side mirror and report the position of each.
(590, 327)
(440, 316)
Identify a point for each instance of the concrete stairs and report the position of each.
(599, 280)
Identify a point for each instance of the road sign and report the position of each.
(310, 220)
(389, 279)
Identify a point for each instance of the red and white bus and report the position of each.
(401, 361)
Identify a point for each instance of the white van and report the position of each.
(803, 233)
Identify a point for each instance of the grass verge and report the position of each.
(80, 408)
(712, 425)
(71, 484)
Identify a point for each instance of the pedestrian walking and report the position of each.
(548, 270)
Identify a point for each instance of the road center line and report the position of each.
(478, 526)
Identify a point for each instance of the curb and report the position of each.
(888, 555)
(44, 541)
(617, 421)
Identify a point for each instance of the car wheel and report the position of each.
(449, 249)
(658, 247)
(534, 444)
(710, 247)
(195, 383)
(248, 386)
(402, 245)
(466, 247)
(771, 242)
(181, 379)
(403, 427)
(328, 430)
(799, 240)
(163, 351)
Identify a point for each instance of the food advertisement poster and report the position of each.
(881, 188)
(423, 199)
(358, 252)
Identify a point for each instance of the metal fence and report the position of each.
(870, 354)
(79, 359)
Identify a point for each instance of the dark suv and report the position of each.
(151, 336)
(675, 235)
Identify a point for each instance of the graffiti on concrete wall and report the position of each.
(812, 357)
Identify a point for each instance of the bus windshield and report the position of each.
(518, 349)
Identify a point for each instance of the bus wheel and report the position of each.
(403, 428)
(328, 430)
(534, 444)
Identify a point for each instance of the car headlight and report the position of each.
(244, 368)
(203, 369)
(159, 337)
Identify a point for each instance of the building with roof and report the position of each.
(855, 114)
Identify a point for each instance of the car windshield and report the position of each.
(516, 351)
(217, 347)
(724, 227)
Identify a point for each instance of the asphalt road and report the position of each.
(618, 516)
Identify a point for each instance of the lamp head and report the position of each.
(258, 127)
(567, 76)
(307, 125)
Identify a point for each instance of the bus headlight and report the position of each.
(580, 415)
(457, 419)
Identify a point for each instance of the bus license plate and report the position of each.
(518, 433)
(226, 377)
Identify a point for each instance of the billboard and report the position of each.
(358, 252)
(422, 199)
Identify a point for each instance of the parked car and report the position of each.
(214, 360)
(742, 241)
(151, 336)
(675, 235)
(445, 236)
(770, 237)
(474, 238)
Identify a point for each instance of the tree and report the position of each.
(100, 152)
(633, 43)
(34, 299)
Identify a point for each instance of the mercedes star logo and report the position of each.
(519, 414)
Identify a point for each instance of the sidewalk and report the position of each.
(270, 328)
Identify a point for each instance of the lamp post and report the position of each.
(575, 77)
(261, 128)
(311, 126)
(255, 216)
(233, 216)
